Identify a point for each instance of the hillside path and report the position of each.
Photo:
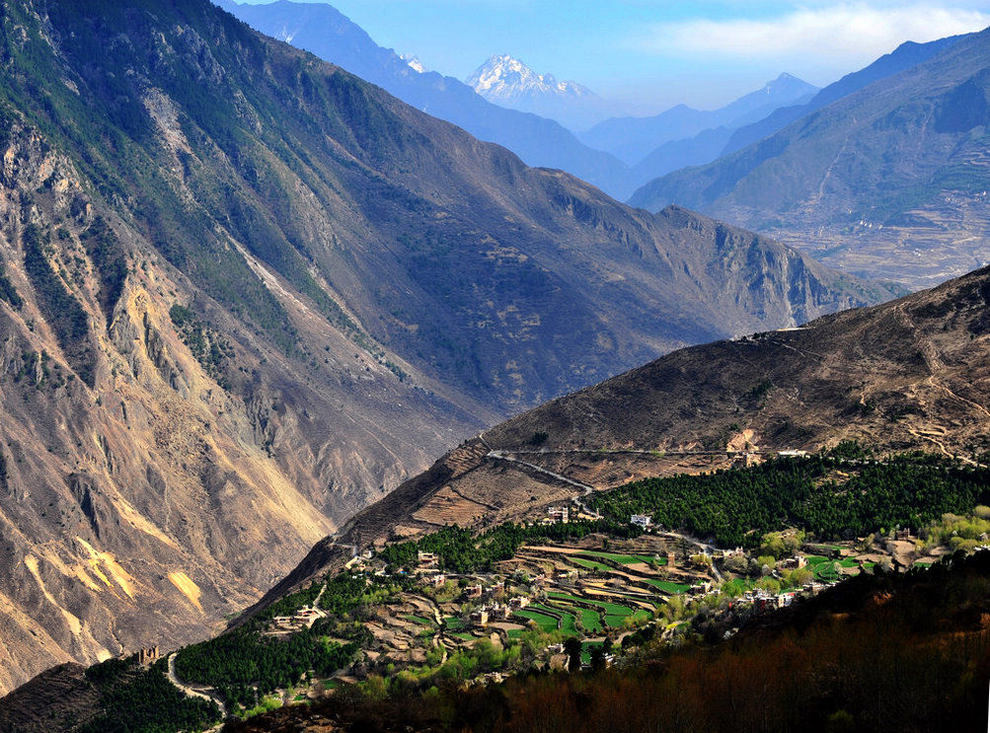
(194, 692)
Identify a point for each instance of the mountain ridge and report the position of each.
(887, 182)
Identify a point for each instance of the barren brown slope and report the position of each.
(911, 374)
(244, 293)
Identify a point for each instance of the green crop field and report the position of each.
(668, 585)
(546, 623)
(418, 620)
(453, 623)
(590, 564)
(623, 559)
(610, 609)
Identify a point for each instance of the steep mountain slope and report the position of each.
(889, 182)
(508, 82)
(913, 373)
(633, 138)
(903, 57)
(322, 30)
(243, 292)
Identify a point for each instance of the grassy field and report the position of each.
(590, 564)
(668, 586)
(546, 623)
(453, 623)
(624, 559)
(418, 620)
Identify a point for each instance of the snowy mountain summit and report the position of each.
(507, 80)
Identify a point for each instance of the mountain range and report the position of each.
(649, 147)
(321, 29)
(232, 324)
(888, 181)
(632, 139)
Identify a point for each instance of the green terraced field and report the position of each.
(623, 559)
(614, 613)
(591, 620)
(453, 623)
(668, 585)
(546, 623)
(590, 564)
(418, 620)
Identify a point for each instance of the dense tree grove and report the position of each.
(238, 662)
(7, 290)
(831, 496)
(243, 665)
(136, 699)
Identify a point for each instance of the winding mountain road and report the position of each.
(204, 693)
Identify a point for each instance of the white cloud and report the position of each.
(838, 34)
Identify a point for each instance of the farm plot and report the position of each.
(545, 622)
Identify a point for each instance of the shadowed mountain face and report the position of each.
(888, 182)
(321, 29)
(242, 293)
(910, 374)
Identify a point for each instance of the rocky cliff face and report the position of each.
(243, 293)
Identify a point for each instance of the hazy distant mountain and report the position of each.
(890, 181)
(632, 139)
(509, 82)
(903, 57)
(322, 30)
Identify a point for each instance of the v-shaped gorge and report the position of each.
(244, 293)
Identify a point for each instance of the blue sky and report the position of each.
(654, 53)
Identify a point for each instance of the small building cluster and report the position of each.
(304, 618)
(147, 656)
(641, 520)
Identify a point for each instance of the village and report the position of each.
(604, 591)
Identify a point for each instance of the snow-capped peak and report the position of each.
(504, 78)
(413, 63)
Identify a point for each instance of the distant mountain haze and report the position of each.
(537, 138)
(905, 56)
(888, 178)
(631, 139)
